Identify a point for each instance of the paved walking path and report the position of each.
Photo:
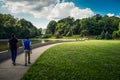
(10, 72)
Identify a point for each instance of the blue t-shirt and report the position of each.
(27, 44)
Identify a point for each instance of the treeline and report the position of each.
(103, 27)
(20, 27)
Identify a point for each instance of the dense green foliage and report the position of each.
(51, 27)
(20, 27)
(93, 26)
(84, 60)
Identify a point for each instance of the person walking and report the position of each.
(13, 44)
(27, 50)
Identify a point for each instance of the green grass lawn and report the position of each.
(83, 60)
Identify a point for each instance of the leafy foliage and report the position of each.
(20, 27)
(92, 26)
(51, 27)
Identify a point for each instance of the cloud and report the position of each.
(61, 10)
(27, 6)
(81, 13)
(110, 14)
(66, 9)
(50, 9)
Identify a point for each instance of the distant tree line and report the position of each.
(103, 27)
(20, 27)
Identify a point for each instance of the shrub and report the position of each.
(46, 35)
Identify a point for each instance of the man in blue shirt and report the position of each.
(27, 50)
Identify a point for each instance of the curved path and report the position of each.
(10, 72)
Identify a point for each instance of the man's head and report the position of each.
(27, 37)
(12, 35)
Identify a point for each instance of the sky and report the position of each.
(40, 12)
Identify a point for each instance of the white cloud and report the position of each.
(66, 9)
(47, 9)
(110, 14)
(51, 9)
(81, 13)
(61, 10)
(27, 6)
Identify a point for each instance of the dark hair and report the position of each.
(27, 37)
(12, 35)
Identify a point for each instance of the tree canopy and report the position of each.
(20, 27)
(96, 25)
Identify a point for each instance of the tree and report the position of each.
(115, 34)
(57, 35)
(21, 27)
(107, 35)
(77, 27)
(96, 25)
(51, 27)
(84, 33)
(119, 26)
(70, 33)
(97, 17)
(102, 34)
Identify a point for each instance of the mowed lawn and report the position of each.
(83, 60)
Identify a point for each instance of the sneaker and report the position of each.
(14, 63)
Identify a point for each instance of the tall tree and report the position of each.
(21, 27)
(51, 27)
